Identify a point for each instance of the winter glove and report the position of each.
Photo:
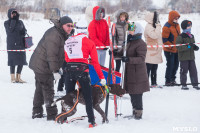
(196, 48)
(103, 82)
(56, 76)
(192, 44)
(125, 59)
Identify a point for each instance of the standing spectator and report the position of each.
(99, 32)
(15, 31)
(77, 51)
(186, 55)
(136, 80)
(153, 37)
(120, 33)
(88, 14)
(46, 61)
(169, 34)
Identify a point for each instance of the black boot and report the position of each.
(196, 87)
(184, 87)
(37, 115)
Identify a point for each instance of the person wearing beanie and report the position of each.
(186, 55)
(15, 31)
(78, 49)
(99, 32)
(136, 81)
(170, 31)
(46, 61)
(153, 37)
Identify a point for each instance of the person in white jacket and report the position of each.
(153, 37)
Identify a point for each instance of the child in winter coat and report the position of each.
(153, 37)
(120, 33)
(186, 56)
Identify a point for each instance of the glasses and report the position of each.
(68, 25)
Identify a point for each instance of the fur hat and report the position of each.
(65, 20)
(185, 24)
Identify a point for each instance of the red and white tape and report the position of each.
(149, 46)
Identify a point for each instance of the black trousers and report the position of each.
(152, 68)
(136, 101)
(44, 93)
(86, 88)
(19, 69)
(172, 66)
(118, 65)
(185, 66)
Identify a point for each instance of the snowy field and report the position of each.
(166, 110)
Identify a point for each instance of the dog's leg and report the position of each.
(101, 112)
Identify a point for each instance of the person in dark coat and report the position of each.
(15, 31)
(136, 81)
(186, 55)
(46, 61)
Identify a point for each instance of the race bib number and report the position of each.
(73, 47)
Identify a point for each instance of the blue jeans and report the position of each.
(172, 66)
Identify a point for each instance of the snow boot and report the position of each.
(184, 87)
(37, 115)
(12, 78)
(137, 114)
(18, 79)
(196, 87)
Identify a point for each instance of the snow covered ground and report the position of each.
(166, 110)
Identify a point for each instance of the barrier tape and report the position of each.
(148, 46)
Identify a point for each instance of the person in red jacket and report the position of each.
(99, 32)
(78, 49)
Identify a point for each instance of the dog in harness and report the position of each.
(69, 101)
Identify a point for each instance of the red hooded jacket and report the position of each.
(98, 29)
(78, 49)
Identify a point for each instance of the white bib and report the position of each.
(73, 46)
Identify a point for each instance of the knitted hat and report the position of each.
(65, 20)
(81, 26)
(185, 24)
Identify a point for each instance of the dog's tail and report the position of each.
(54, 103)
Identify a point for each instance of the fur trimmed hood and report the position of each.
(96, 12)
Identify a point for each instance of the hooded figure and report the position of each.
(15, 31)
(153, 37)
(170, 32)
(46, 61)
(99, 32)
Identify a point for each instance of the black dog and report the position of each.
(69, 101)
